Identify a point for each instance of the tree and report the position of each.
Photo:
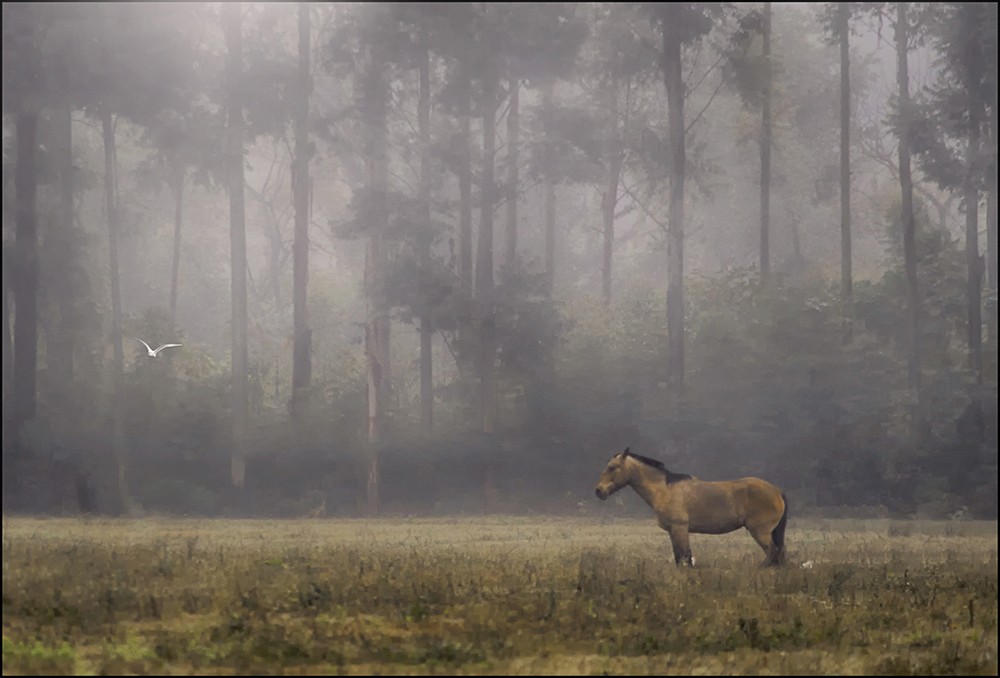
(25, 279)
(765, 151)
(836, 18)
(232, 25)
(680, 23)
(902, 37)
(846, 291)
(955, 117)
(425, 238)
(302, 353)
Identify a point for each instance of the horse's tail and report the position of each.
(778, 534)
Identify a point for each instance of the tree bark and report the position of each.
(60, 343)
(232, 24)
(765, 155)
(465, 270)
(991, 195)
(118, 368)
(7, 271)
(974, 264)
(513, 138)
(302, 349)
(25, 279)
(675, 230)
(484, 255)
(609, 201)
(846, 280)
(550, 201)
(909, 226)
(377, 347)
(175, 265)
(426, 319)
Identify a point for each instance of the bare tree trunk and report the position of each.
(484, 256)
(484, 278)
(175, 266)
(675, 230)
(59, 353)
(846, 279)
(7, 271)
(118, 368)
(550, 202)
(232, 24)
(991, 196)
(513, 138)
(426, 320)
(974, 263)
(765, 155)
(909, 227)
(609, 201)
(25, 287)
(9, 445)
(377, 338)
(465, 270)
(302, 350)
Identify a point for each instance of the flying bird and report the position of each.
(153, 353)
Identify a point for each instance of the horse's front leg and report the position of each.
(681, 544)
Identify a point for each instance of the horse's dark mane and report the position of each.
(670, 476)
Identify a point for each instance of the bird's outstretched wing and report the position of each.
(165, 346)
(144, 344)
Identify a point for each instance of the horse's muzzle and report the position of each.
(601, 494)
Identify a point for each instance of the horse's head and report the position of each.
(616, 476)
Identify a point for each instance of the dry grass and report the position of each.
(493, 596)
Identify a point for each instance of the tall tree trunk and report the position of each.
(118, 368)
(909, 226)
(175, 264)
(377, 347)
(25, 288)
(232, 24)
(59, 353)
(484, 280)
(991, 178)
(675, 229)
(974, 264)
(609, 201)
(513, 138)
(846, 280)
(7, 271)
(550, 200)
(302, 350)
(765, 154)
(426, 319)
(484, 255)
(465, 270)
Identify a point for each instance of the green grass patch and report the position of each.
(492, 596)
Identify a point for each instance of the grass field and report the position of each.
(493, 596)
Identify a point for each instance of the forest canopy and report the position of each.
(450, 257)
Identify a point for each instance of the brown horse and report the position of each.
(684, 504)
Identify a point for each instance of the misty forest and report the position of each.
(432, 259)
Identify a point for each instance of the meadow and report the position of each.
(493, 595)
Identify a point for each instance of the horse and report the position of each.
(684, 504)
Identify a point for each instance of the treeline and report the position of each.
(451, 257)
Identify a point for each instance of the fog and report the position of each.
(686, 230)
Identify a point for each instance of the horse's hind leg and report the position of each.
(681, 545)
(763, 538)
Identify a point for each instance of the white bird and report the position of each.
(808, 564)
(150, 351)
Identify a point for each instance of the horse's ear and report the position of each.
(625, 453)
